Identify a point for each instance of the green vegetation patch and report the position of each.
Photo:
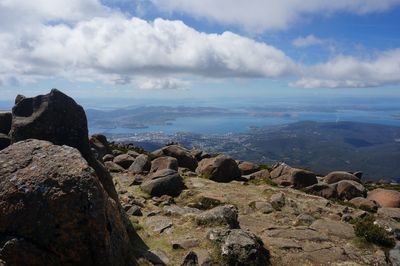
(366, 229)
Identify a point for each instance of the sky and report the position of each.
(171, 49)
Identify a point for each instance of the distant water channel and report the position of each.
(242, 123)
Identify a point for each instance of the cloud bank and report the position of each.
(83, 40)
(261, 15)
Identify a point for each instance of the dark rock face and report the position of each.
(5, 123)
(298, 178)
(164, 162)
(5, 141)
(57, 118)
(220, 169)
(100, 144)
(240, 247)
(54, 117)
(184, 157)
(164, 182)
(54, 210)
(140, 165)
(337, 176)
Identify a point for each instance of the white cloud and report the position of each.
(351, 72)
(151, 83)
(116, 49)
(22, 13)
(306, 41)
(82, 40)
(260, 15)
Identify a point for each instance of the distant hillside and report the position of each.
(323, 147)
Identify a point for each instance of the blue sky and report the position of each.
(169, 49)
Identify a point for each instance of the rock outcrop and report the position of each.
(54, 210)
(57, 118)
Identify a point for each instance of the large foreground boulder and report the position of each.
(385, 197)
(54, 210)
(57, 118)
(184, 157)
(5, 122)
(221, 168)
(285, 175)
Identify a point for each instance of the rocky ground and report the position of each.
(66, 199)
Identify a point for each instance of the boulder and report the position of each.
(348, 189)
(337, 176)
(164, 162)
(385, 197)
(262, 206)
(54, 117)
(285, 175)
(364, 203)
(220, 169)
(182, 155)
(54, 210)
(113, 167)
(134, 154)
(322, 190)
(199, 154)
(221, 215)
(124, 160)
(262, 175)
(5, 122)
(57, 118)
(239, 247)
(190, 259)
(108, 157)
(278, 200)
(163, 182)
(99, 143)
(141, 164)
(248, 168)
(5, 141)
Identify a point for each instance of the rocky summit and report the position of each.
(67, 199)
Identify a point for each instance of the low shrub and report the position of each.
(366, 229)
